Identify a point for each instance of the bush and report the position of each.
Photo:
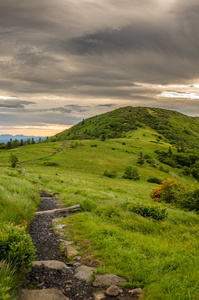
(178, 193)
(8, 280)
(51, 164)
(110, 174)
(147, 210)
(16, 247)
(140, 161)
(190, 200)
(146, 156)
(154, 180)
(13, 160)
(73, 145)
(131, 173)
(169, 191)
(150, 161)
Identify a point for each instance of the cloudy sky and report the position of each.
(62, 61)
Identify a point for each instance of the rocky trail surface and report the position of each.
(53, 276)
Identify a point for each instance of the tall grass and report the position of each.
(160, 256)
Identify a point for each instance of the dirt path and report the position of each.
(61, 148)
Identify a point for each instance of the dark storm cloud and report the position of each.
(15, 104)
(70, 108)
(96, 51)
(106, 105)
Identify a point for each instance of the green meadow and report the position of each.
(161, 256)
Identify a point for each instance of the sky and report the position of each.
(66, 60)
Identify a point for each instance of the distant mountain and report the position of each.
(176, 127)
(4, 138)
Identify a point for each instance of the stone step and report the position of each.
(59, 210)
(51, 264)
(46, 294)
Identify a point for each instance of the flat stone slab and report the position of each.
(51, 264)
(70, 251)
(84, 272)
(46, 294)
(108, 279)
(59, 226)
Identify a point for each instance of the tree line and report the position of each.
(16, 143)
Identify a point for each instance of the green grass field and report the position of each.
(159, 256)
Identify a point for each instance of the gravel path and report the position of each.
(47, 248)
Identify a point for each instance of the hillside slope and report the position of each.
(174, 126)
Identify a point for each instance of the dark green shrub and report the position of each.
(150, 161)
(95, 145)
(13, 160)
(195, 172)
(190, 200)
(16, 247)
(186, 171)
(131, 173)
(140, 161)
(51, 164)
(110, 174)
(146, 156)
(154, 180)
(147, 210)
(73, 144)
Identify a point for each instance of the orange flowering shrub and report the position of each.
(169, 191)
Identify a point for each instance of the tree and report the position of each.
(33, 141)
(21, 143)
(8, 145)
(28, 141)
(140, 161)
(103, 138)
(13, 160)
(131, 173)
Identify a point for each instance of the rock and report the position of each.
(84, 272)
(113, 290)
(77, 264)
(51, 264)
(136, 293)
(77, 258)
(99, 295)
(66, 243)
(46, 294)
(70, 251)
(60, 226)
(56, 220)
(108, 279)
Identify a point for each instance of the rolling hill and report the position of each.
(151, 241)
(176, 127)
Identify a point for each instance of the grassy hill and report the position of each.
(160, 256)
(177, 128)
